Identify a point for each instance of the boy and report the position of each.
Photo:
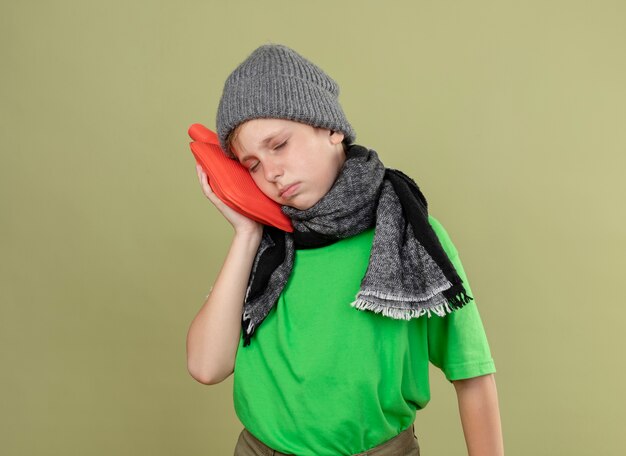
(325, 373)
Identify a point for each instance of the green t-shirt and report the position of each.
(321, 377)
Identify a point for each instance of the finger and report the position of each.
(205, 183)
(201, 174)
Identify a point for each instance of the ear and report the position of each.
(336, 136)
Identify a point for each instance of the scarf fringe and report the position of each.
(457, 295)
(404, 297)
(450, 305)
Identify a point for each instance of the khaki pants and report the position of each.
(404, 444)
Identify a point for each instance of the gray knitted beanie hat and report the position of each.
(275, 81)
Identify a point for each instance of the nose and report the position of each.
(272, 169)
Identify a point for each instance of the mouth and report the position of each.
(288, 190)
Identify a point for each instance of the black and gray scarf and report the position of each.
(409, 273)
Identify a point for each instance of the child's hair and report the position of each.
(230, 140)
(275, 81)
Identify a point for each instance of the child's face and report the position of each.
(295, 153)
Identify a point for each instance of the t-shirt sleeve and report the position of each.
(457, 343)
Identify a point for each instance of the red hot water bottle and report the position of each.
(232, 182)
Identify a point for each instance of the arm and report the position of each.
(214, 333)
(480, 415)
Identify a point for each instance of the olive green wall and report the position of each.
(510, 115)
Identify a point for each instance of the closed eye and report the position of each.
(253, 168)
